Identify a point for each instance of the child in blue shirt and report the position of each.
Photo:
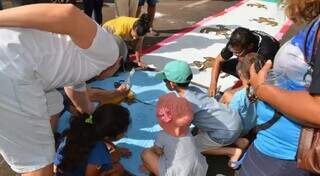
(243, 101)
(83, 152)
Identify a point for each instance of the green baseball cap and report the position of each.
(175, 71)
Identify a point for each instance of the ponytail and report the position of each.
(109, 120)
(80, 138)
(142, 26)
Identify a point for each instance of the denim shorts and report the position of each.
(149, 2)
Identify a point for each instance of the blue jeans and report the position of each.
(257, 163)
(95, 6)
(149, 2)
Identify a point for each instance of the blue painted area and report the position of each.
(144, 125)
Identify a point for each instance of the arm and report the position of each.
(215, 75)
(157, 150)
(56, 18)
(298, 105)
(138, 53)
(117, 169)
(108, 96)
(92, 170)
(97, 95)
(80, 99)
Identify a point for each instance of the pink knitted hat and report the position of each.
(174, 113)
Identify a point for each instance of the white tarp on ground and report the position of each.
(194, 45)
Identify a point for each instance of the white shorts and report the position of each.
(26, 139)
(204, 142)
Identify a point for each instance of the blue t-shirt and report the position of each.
(240, 103)
(99, 156)
(222, 124)
(282, 138)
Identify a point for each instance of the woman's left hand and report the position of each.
(257, 79)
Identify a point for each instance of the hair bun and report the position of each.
(142, 26)
(145, 19)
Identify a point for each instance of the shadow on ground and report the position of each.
(218, 166)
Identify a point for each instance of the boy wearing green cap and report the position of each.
(218, 124)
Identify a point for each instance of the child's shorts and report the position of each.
(26, 139)
(149, 2)
(204, 142)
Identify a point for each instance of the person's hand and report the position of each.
(226, 97)
(124, 89)
(124, 152)
(258, 79)
(212, 90)
(140, 64)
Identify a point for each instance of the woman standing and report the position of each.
(274, 149)
(37, 56)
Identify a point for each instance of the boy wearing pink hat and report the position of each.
(169, 155)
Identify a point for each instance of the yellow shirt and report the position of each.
(121, 26)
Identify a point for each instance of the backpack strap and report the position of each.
(276, 116)
(310, 61)
(310, 58)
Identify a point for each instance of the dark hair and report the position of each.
(185, 85)
(142, 26)
(242, 37)
(108, 120)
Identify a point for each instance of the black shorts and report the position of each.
(229, 66)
